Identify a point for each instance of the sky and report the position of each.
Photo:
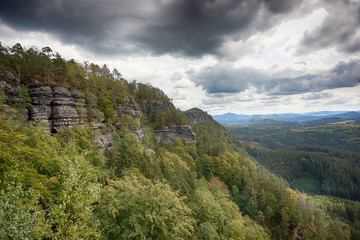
(240, 56)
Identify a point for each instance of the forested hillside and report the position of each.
(317, 160)
(66, 185)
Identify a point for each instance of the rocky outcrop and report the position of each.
(65, 108)
(59, 107)
(130, 107)
(170, 133)
(12, 91)
(196, 116)
(149, 106)
(140, 133)
(104, 141)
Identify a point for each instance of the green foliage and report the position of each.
(129, 123)
(128, 152)
(2, 100)
(18, 160)
(147, 92)
(342, 137)
(20, 102)
(20, 215)
(177, 172)
(106, 106)
(60, 176)
(159, 118)
(219, 218)
(212, 138)
(343, 210)
(73, 207)
(309, 158)
(261, 195)
(133, 207)
(311, 168)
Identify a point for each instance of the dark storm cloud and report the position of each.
(227, 79)
(340, 29)
(196, 27)
(91, 24)
(224, 78)
(190, 27)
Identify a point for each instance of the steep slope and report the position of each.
(258, 193)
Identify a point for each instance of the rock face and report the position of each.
(196, 116)
(12, 93)
(59, 107)
(140, 134)
(170, 133)
(130, 107)
(10, 90)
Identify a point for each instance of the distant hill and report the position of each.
(258, 122)
(290, 119)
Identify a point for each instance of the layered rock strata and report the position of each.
(170, 133)
(59, 107)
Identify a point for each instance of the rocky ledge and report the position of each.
(170, 133)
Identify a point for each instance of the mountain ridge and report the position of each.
(232, 118)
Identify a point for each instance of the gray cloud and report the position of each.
(224, 78)
(339, 29)
(337, 102)
(98, 26)
(188, 27)
(316, 96)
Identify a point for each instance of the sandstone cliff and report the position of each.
(170, 133)
(58, 107)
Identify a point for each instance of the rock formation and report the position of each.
(130, 107)
(196, 116)
(170, 133)
(59, 107)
